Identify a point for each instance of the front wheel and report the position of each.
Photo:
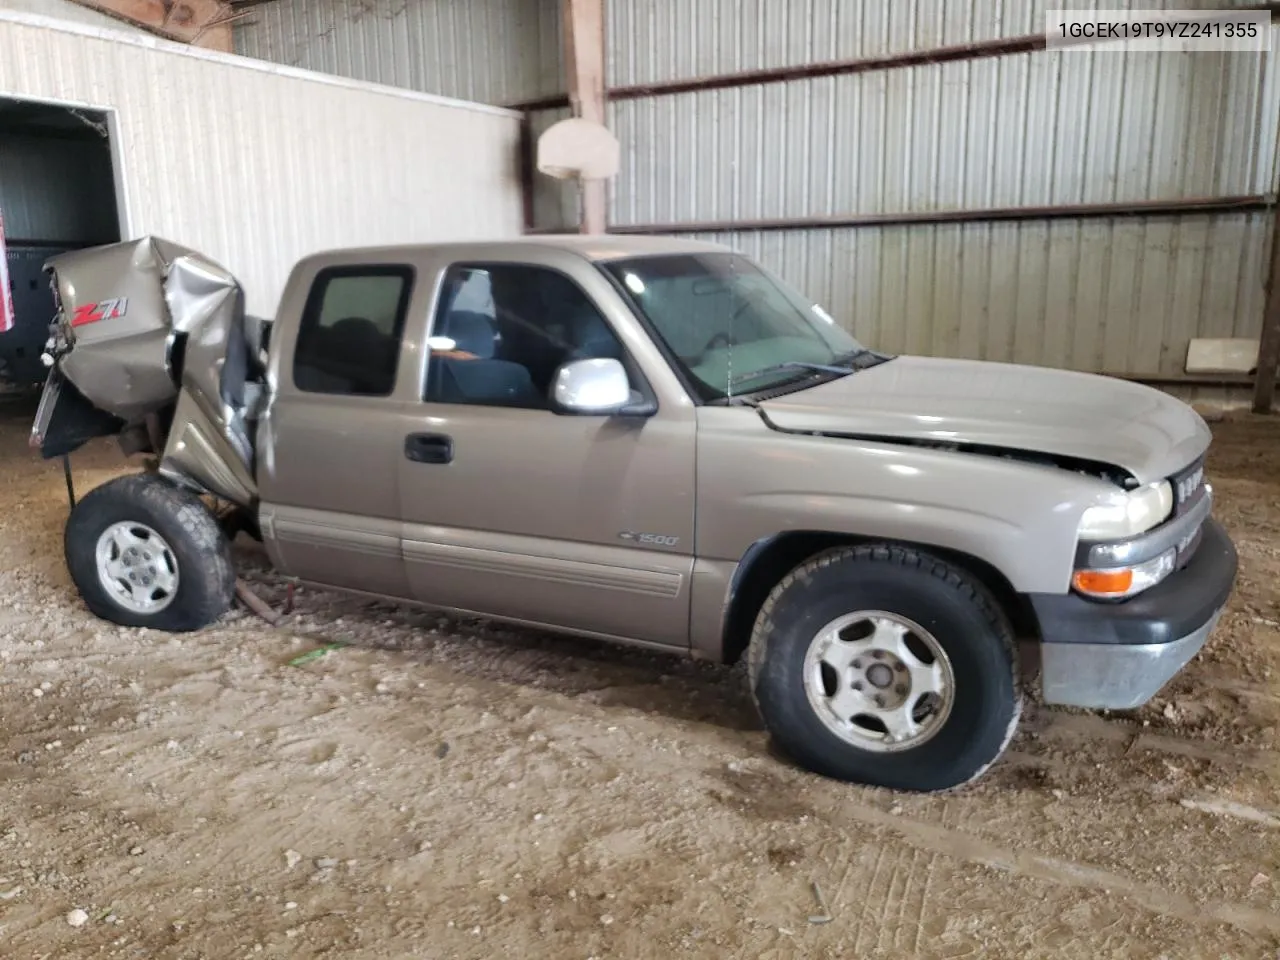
(145, 553)
(885, 666)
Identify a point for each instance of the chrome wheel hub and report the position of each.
(136, 567)
(879, 681)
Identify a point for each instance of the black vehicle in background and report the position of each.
(33, 309)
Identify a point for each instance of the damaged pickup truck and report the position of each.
(649, 441)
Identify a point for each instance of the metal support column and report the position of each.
(584, 62)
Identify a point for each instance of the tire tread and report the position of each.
(212, 575)
(907, 558)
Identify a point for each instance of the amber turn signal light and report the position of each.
(1102, 583)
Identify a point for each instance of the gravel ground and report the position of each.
(451, 788)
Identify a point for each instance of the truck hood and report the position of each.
(1002, 406)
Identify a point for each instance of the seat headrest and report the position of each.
(473, 332)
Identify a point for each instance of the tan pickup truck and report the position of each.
(650, 441)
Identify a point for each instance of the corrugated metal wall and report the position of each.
(259, 165)
(1122, 295)
(56, 190)
(1032, 129)
(492, 51)
(653, 41)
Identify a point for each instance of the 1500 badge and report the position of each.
(648, 539)
(102, 310)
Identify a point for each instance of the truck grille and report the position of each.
(1188, 488)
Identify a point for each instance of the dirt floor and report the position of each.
(447, 788)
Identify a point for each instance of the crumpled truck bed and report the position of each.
(151, 342)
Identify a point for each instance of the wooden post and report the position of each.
(527, 172)
(584, 63)
(1264, 384)
(201, 23)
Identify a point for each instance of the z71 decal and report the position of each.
(102, 310)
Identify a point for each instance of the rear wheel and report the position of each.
(144, 553)
(885, 666)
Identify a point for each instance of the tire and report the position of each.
(909, 592)
(191, 554)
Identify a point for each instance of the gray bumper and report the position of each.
(1112, 676)
(1117, 656)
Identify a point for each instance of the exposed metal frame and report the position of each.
(527, 172)
(1251, 203)
(809, 71)
(1002, 47)
(584, 36)
(834, 68)
(556, 101)
(1264, 388)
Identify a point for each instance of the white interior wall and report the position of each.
(492, 51)
(66, 10)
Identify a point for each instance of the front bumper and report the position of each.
(1117, 656)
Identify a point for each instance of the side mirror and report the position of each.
(598, 387)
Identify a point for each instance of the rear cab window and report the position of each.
(352, 329)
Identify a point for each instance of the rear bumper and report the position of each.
(1118, 656)
(65, 420)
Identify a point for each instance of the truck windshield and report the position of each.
(734, 328)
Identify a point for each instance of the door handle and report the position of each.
(429, 448)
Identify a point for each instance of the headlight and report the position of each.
(1129, 514)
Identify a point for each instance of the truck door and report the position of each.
(512, 510)
(330, 444)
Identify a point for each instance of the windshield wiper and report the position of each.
(789, 365)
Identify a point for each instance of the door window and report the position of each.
(502, 331)
(351, 330)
